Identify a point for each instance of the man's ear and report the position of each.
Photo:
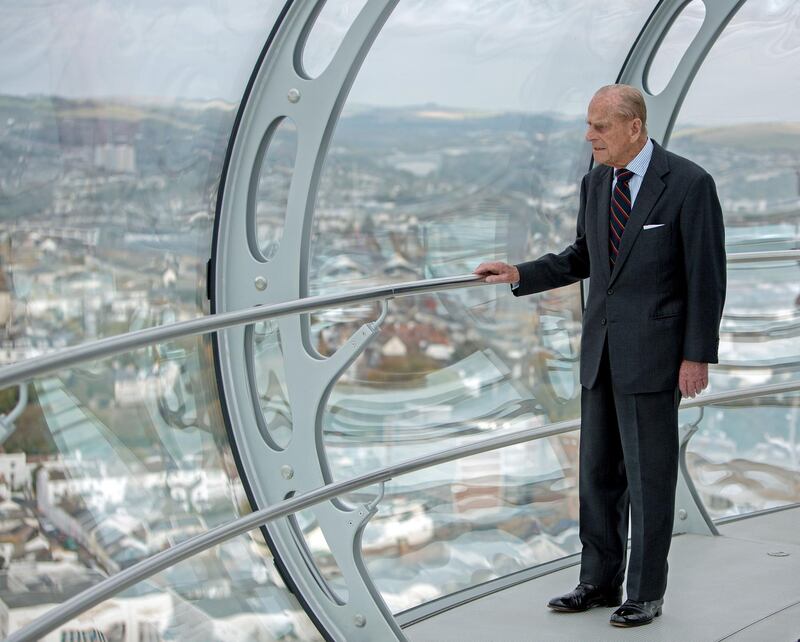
(636, 127)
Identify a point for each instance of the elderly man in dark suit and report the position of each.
(650, 235)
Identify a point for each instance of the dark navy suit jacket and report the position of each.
(662, 302)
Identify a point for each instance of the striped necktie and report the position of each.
(620, 212)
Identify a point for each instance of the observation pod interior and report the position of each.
(396, 440)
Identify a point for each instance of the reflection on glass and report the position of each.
(218, 595)
(102, 486)
(460, 524)
(449, 152)
(114, 123)
(746, 458)
(747, 135)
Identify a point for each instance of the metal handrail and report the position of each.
(101, 348)
(758, 257)
(17, 373)
(160, 561)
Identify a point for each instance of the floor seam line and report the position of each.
(758, 541)
(766, 617)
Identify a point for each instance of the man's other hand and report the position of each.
(497, 272)
(692, 378)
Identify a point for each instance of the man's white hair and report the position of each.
(629, 104)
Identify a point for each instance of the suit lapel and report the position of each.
(602, 198)
(648, 195)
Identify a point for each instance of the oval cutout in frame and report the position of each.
(267, 378)
(672, 48)
(327, 34)
(269, 188)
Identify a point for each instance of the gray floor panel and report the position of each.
(718, 587)
(783, 527)
(784, 625)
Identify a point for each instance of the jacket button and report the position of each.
(603, 321)
(610, 291)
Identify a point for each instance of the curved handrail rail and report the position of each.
(199, 543)
(101, 348)
(759, 257)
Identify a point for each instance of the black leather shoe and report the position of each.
(634, 613)
(586, 596)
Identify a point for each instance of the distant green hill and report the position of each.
(753, 137)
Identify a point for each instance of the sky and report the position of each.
(493, 55)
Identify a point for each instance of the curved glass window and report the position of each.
(450, 152)
(217, 595)
(114, 123)
(460, 141)
(747, 135)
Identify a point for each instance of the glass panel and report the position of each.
(746, 456)
(470, 521)
(224, 593)
(115, 461)
(114, 123)
(674, 45)
(270, 193)
(448, 153)
(747, 135)
(327, 33)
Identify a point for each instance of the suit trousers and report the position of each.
(628, 460)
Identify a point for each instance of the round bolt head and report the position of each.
(293, 95)
(287, 472)
(260, 283)
(359, 620)
(682, 514)
(778, 554)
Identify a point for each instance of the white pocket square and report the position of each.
(650, 227)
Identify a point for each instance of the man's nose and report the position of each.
(589, 135)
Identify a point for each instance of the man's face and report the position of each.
(615, 140)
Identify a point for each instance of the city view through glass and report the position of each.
(107, 210)
(101, 237)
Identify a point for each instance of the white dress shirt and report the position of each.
(638, 166)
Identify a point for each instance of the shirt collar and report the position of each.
(640, 164)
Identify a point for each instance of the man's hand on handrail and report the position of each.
(497, 272)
